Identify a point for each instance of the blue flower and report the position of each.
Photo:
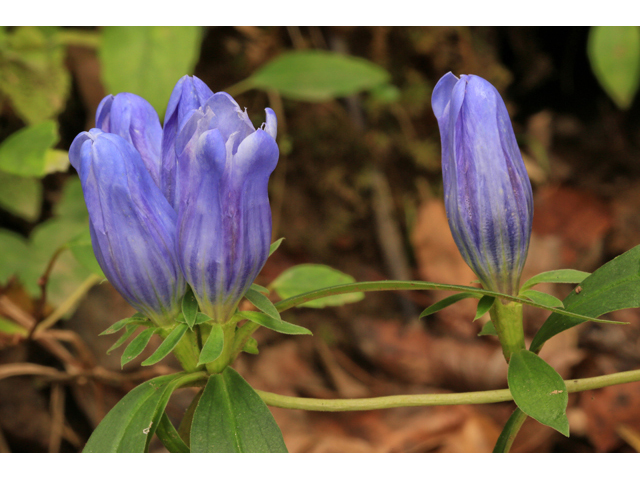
(185, 202)
(132, 225)
(487, 192)
(224, 218)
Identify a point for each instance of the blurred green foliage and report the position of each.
(148, 61)
(614, 53)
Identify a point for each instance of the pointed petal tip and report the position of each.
(442, 93)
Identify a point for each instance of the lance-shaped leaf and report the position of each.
(484, 305)
(445, 302)
(614, 286)
(488, 329)
(120, 324)
(555, 276)
(263, 304)
(543, 298)
(213, 346)
(189, 308)
(167, 345)
(136, 346)
(279, 326)
(231, 417)
(128, 331)
(275, 245)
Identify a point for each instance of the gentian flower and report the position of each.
(132, 225)
(222, 170)
(487, 192)
(187, 201)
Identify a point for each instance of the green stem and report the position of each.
(433, 399)
(509, 432)
(187, 351)
(169, 436)
(390, 285)
(507, 319)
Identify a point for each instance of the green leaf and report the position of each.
(189, 307)
(484, 305)
(33, 74)
(214, 345)
(279, 326)
(128, 331)
(318, 76)
(307, 277)
(259, 288)
(82, 250)
(130, 425)
(445, 302)
(251, 346)
(555, 276)
(262, 303)
(538, 390)
(167, 345)
(614, 286)
(231, 417)
(56, 161)
(542, 298)
(24, 152)
(170, 437)
(488, 329)
(614, 53)
(148, 61)
(202, 318)
(136, 346)
(20, 196)
(17, 245)
(120, 324)
(275, 245)
(12, 328)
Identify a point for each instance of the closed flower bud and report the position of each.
(487, 191)
(133, 227)
(224, 218)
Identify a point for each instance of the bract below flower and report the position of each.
(487, 192)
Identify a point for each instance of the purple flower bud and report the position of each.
(135, 120)
(133, 227)
(224, 218)
(487, 191)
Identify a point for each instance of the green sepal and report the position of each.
(275, 245)
(538, 390)
(251, 346)
(263, 304)
(214, 345)
(445, 302)
(555, 276)
(279, 326)
(231, 417)
(484, 305)
(167, 345)
(488, 329)
(542, 298)
(189, 308)
(120, 324)
(136, 346)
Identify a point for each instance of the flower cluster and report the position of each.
(487, 192)
(186, 203)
